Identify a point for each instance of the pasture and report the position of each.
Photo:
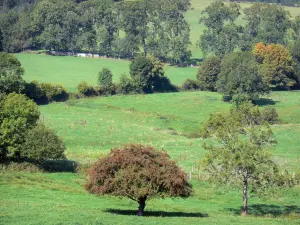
(91, 127)
(70, 71)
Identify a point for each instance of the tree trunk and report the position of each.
(245, 198)
(142, 205)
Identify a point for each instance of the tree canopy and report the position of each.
(139, 173)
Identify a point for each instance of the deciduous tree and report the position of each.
(276, 65)
(240, 156)
(139, 173)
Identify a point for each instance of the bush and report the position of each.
(226, 98)
(191, 85)
(54, 92)
(126, 85)
(105, 78)
(45, 92)
(34, 92)
(42, 143)
(270, 115)
(106, 90)
(85, 89)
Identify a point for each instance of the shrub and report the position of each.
(54, 92)
(45, 92)
(42, 143)
(126, 85)
(190, 85)
(106, 90)
(85, 89)
(105, 78)
(270, 115)
(34, 92)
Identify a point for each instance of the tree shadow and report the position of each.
(264, 102)
(156, 213)
(62, 165)
(263, 209)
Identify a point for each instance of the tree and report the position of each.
(276, 65)
(42, 143)
(208, 72)
(11, 73)
(146, 73)
(240, 156)
(105, 78)
(17, 115)
(267, 23)
(240, 78)
(222, 34)
(139, 173)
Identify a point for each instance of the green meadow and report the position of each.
(70, 71)
(91, 127)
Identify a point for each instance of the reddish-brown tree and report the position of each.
(139, 173)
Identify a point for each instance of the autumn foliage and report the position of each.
(276, 64)
(139, 173)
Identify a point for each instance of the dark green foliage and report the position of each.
(17, 115)
(239, 77)
(106, 90)
(139, 173)
(105, 78)
(208, 73)
(86, 90)
(191, 85)
(42, 143)
(146, 73)
(11, 73)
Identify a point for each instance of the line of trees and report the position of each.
(111, 28)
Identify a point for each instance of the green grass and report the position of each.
(70, 71)
(91, 127)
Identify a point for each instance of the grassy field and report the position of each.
(70, 71)
(91, 127)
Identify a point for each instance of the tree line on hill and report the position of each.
(151, 27)
(111, 28)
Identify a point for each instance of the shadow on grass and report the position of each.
(155, 213)
(264, 101)
(263, 209)
(62, 165)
